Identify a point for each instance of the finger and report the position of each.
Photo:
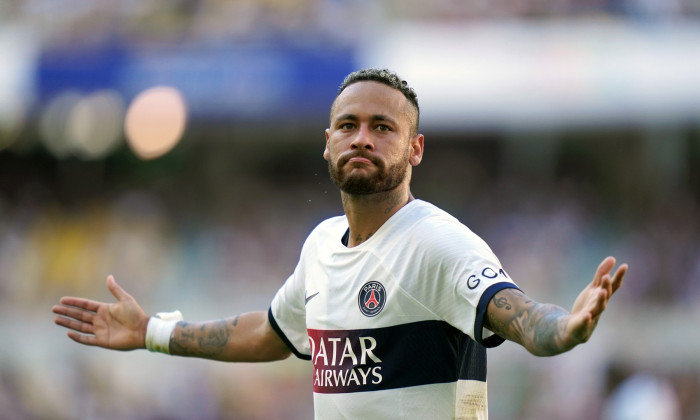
(619, 276)
(116, 290)
(73, 324)
(606, 284)
(88, 340)
(597, 303)
(604, 268)
(579, 320)
(87, 304)
(74, 313)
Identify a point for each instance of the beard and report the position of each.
(384, 179)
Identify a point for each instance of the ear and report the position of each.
(416, 152)
(327, 152)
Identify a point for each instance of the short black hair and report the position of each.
(387, 77)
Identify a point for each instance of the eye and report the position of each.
(346, 126)
(383, 128)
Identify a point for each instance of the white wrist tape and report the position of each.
(159, 330)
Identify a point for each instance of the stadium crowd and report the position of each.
(220, 240)
(85, 22)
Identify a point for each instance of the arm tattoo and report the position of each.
(502, 302)
(550, 330)
(540, 328)
(206, 339)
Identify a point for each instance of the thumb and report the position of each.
(115, 289)
(579, 326)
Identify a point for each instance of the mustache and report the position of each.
(343, 159)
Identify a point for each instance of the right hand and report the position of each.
(117, 326)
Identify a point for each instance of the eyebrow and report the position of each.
(373, 118)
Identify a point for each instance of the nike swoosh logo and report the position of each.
(308, 298)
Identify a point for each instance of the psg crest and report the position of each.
(372, 298)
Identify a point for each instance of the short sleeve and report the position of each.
(287, 315)
(461, 274)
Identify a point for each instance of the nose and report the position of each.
(363, 139)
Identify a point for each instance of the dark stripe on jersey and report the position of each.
(473, 359)
(284, 338)
(419, 353)
(493, 340)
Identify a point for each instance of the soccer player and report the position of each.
(394, 303)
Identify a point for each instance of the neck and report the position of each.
(367, 213)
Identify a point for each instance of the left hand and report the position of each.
(593, 299)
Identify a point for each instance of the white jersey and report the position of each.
(393, 326)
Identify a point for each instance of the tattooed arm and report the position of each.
(247, 337)
(546, 329)
(122, 326)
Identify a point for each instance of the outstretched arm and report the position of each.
(546, 329)
(122, 326)
(248, 337)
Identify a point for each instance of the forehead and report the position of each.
(371, 98)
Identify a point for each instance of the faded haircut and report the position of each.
(389, 78)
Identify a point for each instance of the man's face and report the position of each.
(369, 146)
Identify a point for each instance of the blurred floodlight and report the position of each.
(53, 126)
(155, 121)
(95, 124)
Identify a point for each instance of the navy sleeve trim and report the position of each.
(284, 338)
(493, 340)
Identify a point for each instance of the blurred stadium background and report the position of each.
(560, 131)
